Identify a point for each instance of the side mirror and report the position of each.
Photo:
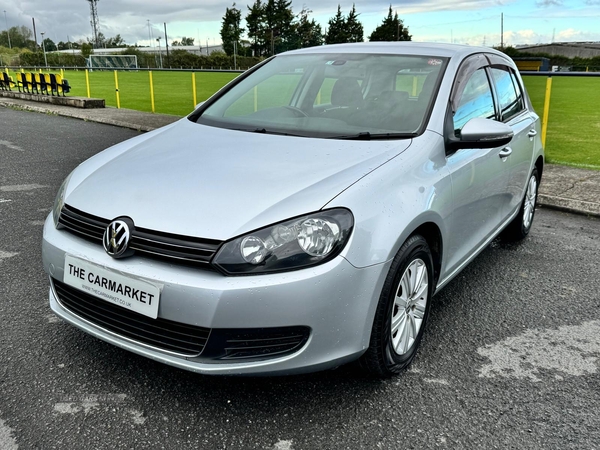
(485, 133)
(478, 133)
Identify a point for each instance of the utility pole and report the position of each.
(7, 29)
(34, 33)
(233, 30)
(502, 30)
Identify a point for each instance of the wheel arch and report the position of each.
(433, 235)
(539, 165)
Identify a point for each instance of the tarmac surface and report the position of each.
(565, 188)
(510, 357)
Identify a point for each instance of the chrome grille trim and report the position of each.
(185, 249)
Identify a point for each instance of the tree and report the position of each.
(114, 42)
(337, 32)
(49, 45)
(184, 41)
(87, 49)
(20, 37)
(308, 32)
(354, 27)
(255, 22)
(392, 29)
(230, 29)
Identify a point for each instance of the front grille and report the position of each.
(255, 343)
(187, 340)
(153, 244)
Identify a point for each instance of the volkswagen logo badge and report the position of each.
(116, 238)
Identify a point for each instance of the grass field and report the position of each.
(573, 127)
(574, 122)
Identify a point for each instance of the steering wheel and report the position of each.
(297, 111)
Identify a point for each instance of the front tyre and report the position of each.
(521, 225)
(402, 310)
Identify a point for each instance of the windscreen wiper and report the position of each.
(368, 136)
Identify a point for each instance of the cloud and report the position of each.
(547, 3)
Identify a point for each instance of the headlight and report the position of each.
(293, 244)
(59, 202)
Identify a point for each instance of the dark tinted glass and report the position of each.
(510, 102)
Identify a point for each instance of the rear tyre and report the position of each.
(402, 310)
(520, 226)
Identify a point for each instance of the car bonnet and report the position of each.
(195, 180)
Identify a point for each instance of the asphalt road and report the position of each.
(510, 357)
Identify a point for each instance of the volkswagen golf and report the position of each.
(302, 217)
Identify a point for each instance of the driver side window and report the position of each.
(476, 101)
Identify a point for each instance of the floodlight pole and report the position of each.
(7, 30)
(44, 48)
(159, 52)
(167, 43)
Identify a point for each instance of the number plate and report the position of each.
(127, 292)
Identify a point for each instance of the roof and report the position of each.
(401, 47)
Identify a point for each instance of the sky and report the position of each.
(473, 22)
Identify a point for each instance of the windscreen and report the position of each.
(331, 96)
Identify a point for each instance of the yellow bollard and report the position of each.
(87, 83)
(319, 97)
(151, 91)
(194, 88)
(117, 90)
(546, 111)
(415, 82)
(62, 73)
(255, 98)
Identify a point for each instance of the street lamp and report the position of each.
(7, 30)
(159, 51)
(44, 48)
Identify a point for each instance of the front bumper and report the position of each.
(336, 301)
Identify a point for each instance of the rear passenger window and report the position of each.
(509, 95)
(475, 101)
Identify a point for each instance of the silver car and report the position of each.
(304, 216)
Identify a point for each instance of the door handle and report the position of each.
(532, 133)
(505, 152)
